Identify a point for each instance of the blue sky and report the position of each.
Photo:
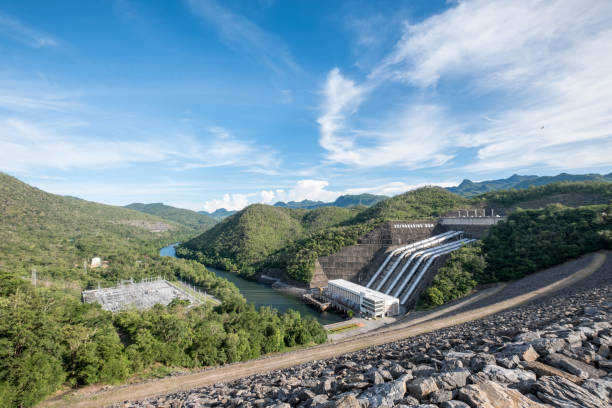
(205, 104)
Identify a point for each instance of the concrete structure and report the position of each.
(96, 262)
(473, 227)
(353, 262)
(359, 298)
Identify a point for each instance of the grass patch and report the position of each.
(345, 328)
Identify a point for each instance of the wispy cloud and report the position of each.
(546, 63)
(29, 36)
(25, 145)
(26, 96)
(244, 36)
(312, 189)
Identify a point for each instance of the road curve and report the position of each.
(283, 360)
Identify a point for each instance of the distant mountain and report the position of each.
(188, 218)
(304, 204)
(344, 201)
(219, 214)
(469, 188)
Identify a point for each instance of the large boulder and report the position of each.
(507, 376)
(576, 367)
(387, 394)
(489, 394)
(562, 393)
(422, 387)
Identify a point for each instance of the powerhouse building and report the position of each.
(367, 301)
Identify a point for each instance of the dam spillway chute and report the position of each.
(387, 269)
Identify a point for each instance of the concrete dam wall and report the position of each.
(355, 262)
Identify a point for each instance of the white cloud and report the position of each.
(244, 36)
(545, 65)
(229, 202)
(25, 145)
(315, 190)
(24, 34)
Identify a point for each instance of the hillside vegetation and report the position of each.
(243, 242)
(572, 194)
(529, 241)
(56, 234)
(294, 239)
(468, 188)
(188, 218)
(50, 338)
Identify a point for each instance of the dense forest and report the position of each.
(262, 236)
(244, 242)
(50, 339)
(188, 218)
(529, 241)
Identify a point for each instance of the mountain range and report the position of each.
(469, 188)
(188, 218)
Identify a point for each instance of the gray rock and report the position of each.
(480, 360)
(450, 380)
(547, 345)
(387, 394)
(525, 352)
(562, 393)
(422, 387)
(454, 404)
(423, 370)
(348, 401)
(600, 387)
(507, 376)
(439, 396)
(375, 377)
(325, 386)
(527, 336)
(489, 394)
(576, 367)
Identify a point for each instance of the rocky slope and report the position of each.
(552, 352)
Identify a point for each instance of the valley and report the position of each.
(87, 245)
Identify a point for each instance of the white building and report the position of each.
(362, 299)
(95, 262)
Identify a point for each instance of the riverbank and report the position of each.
(273, 293)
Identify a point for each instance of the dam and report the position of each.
(399, 259)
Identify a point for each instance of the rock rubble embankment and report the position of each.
(551, 353)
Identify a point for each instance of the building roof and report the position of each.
(358, 289)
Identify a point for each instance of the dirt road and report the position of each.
(279, 361)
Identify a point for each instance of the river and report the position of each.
(263, 295)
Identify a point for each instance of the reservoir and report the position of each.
(263, 295)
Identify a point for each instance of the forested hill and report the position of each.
(51, 340)
(55, 234)
(191, 219)
(244, 240)
(469, 188)
(267, 236)
(345, 201)
(264, 236)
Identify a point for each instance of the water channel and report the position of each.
(263, 295)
